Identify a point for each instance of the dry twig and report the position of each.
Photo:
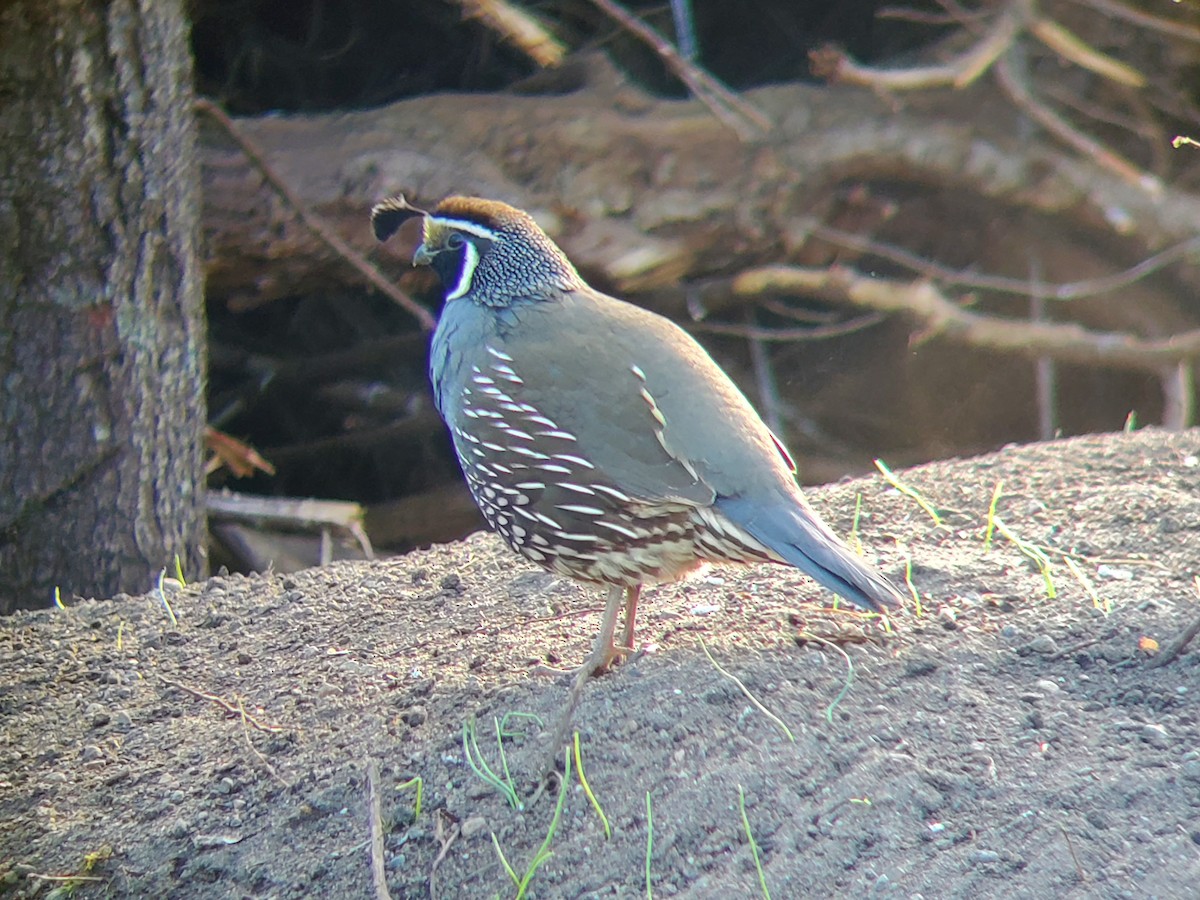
(830, 62)
(446, 838)
(730, 109)
(375, 813)
(790, 335)
(939, 315)
(1171, 27)
(998, 50)
(1068, 290)
(262, 759)
(1022, 96)
(1175, 647)
(520, 28)
(312, 221)
(231, 708)
(291, 513)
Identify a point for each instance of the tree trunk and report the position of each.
(101, 353)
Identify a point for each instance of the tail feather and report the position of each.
(790, 528)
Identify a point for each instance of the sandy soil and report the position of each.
(1003, 743)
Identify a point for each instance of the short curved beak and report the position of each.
(423, 256)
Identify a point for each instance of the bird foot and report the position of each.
(614, 656)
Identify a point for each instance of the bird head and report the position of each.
(482, 250)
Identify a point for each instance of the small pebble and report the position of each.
(413, 716)
(1046, 686)
(1044, 644)
(473, 826)
(916, 667)
(1156, 736)
(97, 715)
(985, 856)
(179, 828)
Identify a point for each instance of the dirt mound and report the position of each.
(1005, 742)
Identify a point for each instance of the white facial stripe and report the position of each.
(468, 227)
(470, 261)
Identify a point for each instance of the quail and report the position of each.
(599, 439)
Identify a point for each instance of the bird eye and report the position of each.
(455, 241)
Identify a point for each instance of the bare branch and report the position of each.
(1070, 46)
(1170, 27)
(1070, 290)
(789, 335)
(746, 121)
(520, 28)
(1022, 96)
(314, 222)
(830, 62)
(939, 315)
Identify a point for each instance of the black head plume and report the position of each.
(388, 215)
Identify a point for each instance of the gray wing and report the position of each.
(643, 401)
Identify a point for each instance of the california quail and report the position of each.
(598, 438)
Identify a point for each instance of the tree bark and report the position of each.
(101, 355)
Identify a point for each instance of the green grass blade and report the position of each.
(504, 861)
(162, 595)
(849, 672)
(649, 845)
(855, 541)
(1033, 552)
(482, 770)
(891, 478)
(749, 696)
(762, 878)
(587, 789)
(419, 782)
(544, 853)
(991, 516)
(918, 608)
(1103, 605)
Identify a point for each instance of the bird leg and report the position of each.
(602, 655)
(631, 604)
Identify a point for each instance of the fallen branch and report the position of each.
(290, 513)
